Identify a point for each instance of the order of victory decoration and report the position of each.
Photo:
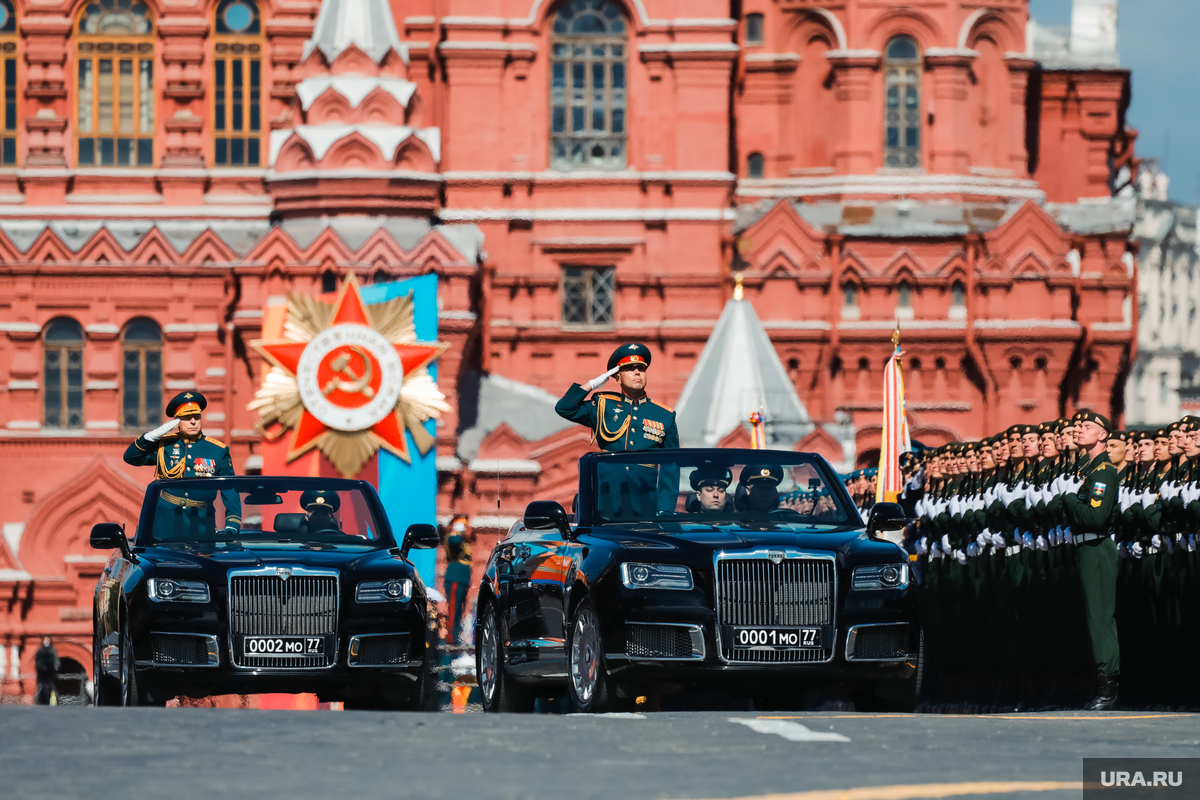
(348, 378)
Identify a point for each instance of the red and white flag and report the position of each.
(895, 439)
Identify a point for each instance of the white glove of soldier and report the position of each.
(984, 539)
(946, 544)
(161, 430)
(998, 541)
(954, 506)
(923, 545)
(1042, 544)
(961, 556)
(600, 380)
(1027, 540)
(1148, 498)
(972, 550)
(1137, 550)
(1156, 541)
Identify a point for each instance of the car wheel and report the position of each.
(129, 687)
(499, 692)
(587, 682)
(105, 689)
(895, 696)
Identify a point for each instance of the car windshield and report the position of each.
(280, 510)
(718, 486)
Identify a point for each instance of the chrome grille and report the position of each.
(796, 592)
(267, 605)
(658, 641)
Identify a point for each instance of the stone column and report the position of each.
(1018, 80)
(858, 139)
(45, 110)
(950, 70)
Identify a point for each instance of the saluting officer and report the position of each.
(1091, 512)
(179, 449)
(628, 420)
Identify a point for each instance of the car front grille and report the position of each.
(662, 641)
(879, 643)
(796, 592)
(379, 651)
(268, 605)
(184, 650)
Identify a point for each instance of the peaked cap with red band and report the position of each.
(632, 353)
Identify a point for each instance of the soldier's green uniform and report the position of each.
(1092, 513)
(620, 423)
(187, 514)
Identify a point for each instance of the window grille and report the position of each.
(587, 296)
(902, 109)
(62, 345)
(115, 91)
(141, 374)
(237, 84)
(588, 86)
(8, 62)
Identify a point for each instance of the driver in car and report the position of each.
(758, 488)
(711, 486)
(319, 508)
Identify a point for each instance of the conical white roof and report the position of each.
(365, 23)
(739, 373)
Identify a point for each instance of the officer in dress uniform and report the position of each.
(627, 421)
(179, 449)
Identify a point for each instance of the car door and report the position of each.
(535, 607)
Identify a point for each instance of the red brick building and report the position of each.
(579, 174)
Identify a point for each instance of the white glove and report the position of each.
(1027, 540)
(946, 543)
(998, 541)
(1191, 543)
(1147, 498)
(600, 380)
(972, 550)
(984, 539)
(923, 545)
(961, 556)
(1042, 544)
(1137, 550)
(1156, 541)
(161, 431)
(955, 506)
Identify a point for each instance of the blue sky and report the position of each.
(1154, 38)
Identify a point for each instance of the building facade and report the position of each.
(578, 174)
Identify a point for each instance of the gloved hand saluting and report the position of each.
(599, 380)
(162, 430)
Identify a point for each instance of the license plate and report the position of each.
(775, 638)
(285, 646)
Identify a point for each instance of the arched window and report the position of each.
(237, 84)
(588, 86)
(328, 282)
(115, 121)
(904, 295)
(8, 53)
(958, 294)
(62, 343)
(141, 374)
(754, 29)
(902, 109)
(754, 165)
(380, 276)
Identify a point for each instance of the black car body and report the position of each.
(776, 600)
(192, 608)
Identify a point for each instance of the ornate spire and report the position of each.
(366, 24)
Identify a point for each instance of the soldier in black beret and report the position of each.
(179, 449)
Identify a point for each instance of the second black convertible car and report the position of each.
(744, 570)
(257, 584)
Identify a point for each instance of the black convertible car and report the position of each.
(259, 584)
(744, 570)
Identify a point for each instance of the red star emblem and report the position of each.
(350, 377)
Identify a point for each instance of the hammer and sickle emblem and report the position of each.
(355, 384)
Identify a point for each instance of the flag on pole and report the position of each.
(895, 439)
(758, 432)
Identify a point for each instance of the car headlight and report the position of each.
(880, 576)
(173, 590)
(656, 576)
(396, 590)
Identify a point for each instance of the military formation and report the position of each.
(1060, 557)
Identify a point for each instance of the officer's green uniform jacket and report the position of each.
(620, 423)
(187, 515)
(1092, 509)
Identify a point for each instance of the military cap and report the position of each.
(710, 475)
(770, 474)
(1139, 436)
(1025, 430)
(320, 498)
(970, 447)
(1087, 415)
(1162, 433)
(632, 353)
(987, 444)
(1121, 436)
(908, 459)
(186, 403)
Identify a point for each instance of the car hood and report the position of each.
(693, 541)
(209, 558)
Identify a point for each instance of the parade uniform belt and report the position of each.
(1080, 538)
(1012, 550)
(183, 501)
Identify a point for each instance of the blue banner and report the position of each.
(409, 491)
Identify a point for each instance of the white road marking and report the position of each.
(792, 731)
(611, 715)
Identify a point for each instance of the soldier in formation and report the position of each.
(1060, 564)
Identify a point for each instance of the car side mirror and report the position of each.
(420, 536)
(545, 515)
(110, 536)
(886, 517)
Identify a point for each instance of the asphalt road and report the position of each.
(205, 753)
